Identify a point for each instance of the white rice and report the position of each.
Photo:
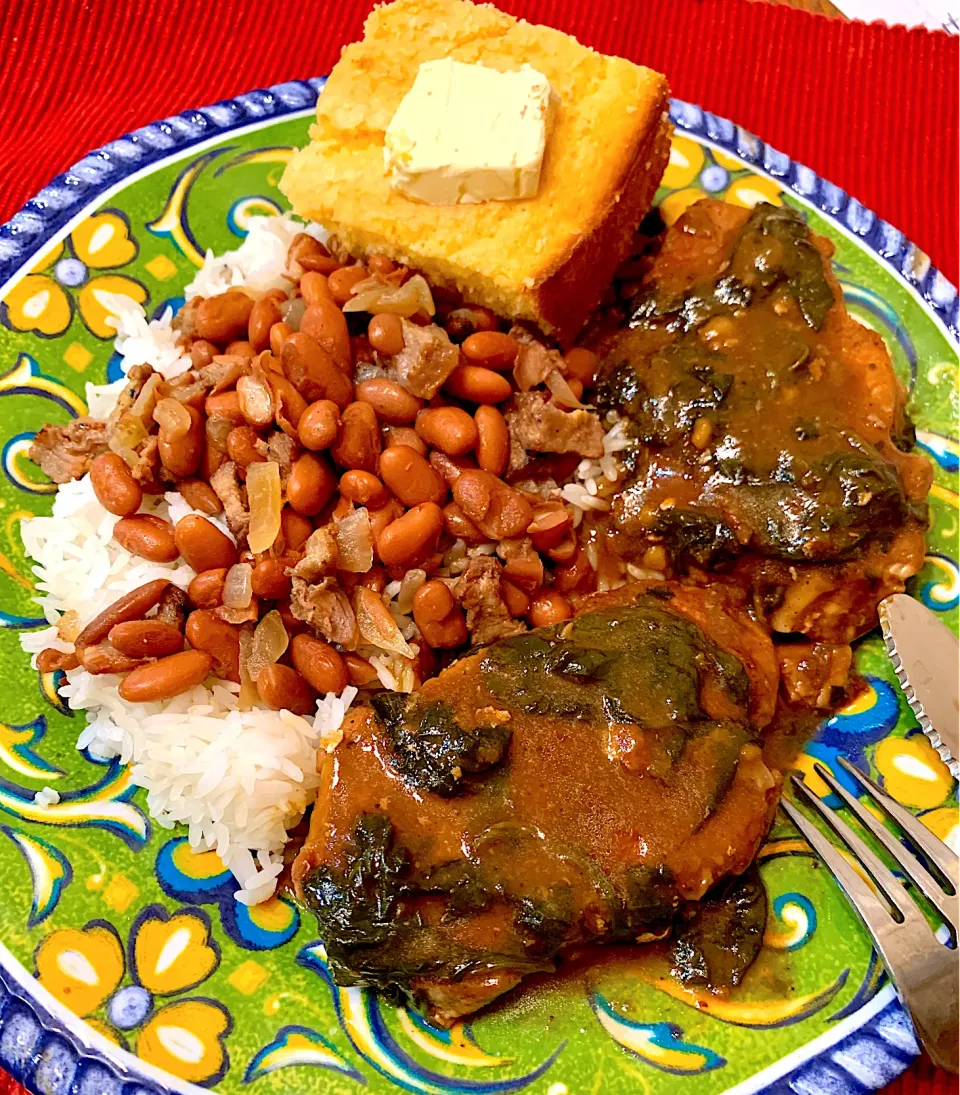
(258, 264)
(237, 779)
(47, 797)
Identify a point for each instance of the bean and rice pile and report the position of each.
(322, 477)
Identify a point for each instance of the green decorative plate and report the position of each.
(127, 967)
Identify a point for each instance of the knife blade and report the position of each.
(925, 656)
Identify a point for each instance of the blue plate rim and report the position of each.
(45, 1047)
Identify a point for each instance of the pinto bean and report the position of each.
(282, 688)
(145, 639)
(342, 281)
(263, 315)
(319, 664)
(296, 528)
(116, 489)
(311, 484)
(242, 446)
(477, 385)
(131, 606)
(319, 425)
(202, 353)
(270, 579)
(313, 372)
(392, 402)
(310, 254)
(439, 617)
(413, 537)
(548, 608)
(491, 349)
(203, 545)
(449, 429)
(181, 453)
(463, 322)
(493, 440)
(256, 401)
(225, 405)
(459, 525)
(385, 332)
(225, 317)
(279, 333)
(201, 496)
(363, 487)
(50, 660)
(361, 672)
(358, 439)
(166, 678)
(404, 435)
(148, 537)
(410, 477)
(221, 641)
(324, 322)
(499, 511)
(206, 590)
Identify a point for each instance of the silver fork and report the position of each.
(923, 970)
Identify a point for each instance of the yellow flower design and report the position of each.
(913, 772)
(169, 955)
(43, 301)
(696, 172)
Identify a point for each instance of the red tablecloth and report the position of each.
(873, 109)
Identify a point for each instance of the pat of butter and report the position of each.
(468, 133)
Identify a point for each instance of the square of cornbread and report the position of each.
(544, 259)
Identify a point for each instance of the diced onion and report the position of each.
(265, 498)
(173, 418)
(127, 437)
(238, 586)
(292, 311)
(376, 625)
(248, 689)
(354, 538)
(270, 640)
(147, 399)
(374, 296)
(562, 392)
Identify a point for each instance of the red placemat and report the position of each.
(872, 109)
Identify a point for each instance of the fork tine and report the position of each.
(911, 866)
(892, 889)
(874, 913)
(941, 854)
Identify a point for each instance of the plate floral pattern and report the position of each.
(127, 965)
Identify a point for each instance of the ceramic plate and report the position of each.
(127, 966)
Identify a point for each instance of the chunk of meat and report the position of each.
(767, 428)
(319, 556)
(444, 864)
(283, 450)
(66, 452)
(534, 361)
(428, 357)
(149, 472)
(538, 425)
(174, 607)
(233, 496)
(478, 591)
(327, 609)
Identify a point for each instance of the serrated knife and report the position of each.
(926, 657)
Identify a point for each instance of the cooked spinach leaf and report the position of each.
(431, 749)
